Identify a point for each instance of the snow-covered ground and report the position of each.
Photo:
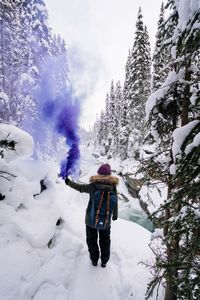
(32, 267)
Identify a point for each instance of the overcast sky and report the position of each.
(98, 35)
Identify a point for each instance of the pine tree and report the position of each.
(112, 109)
(95, 133)
(118, 114)
(60, 68)
(173, 112)
(124, 132)
(101, 130)
(147, 66)
(7, 35)
(137, 87)
(41, 37)
(161, 54)
(113, 121)
(119, 103)
(107, 120)
(24, 72)
(33, 68)
(126, 91)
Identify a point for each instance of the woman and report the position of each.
(105, 184)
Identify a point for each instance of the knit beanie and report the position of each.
(104, 169)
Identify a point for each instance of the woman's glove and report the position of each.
(66, 180)
(114, 218)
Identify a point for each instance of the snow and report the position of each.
(173, 52)
(24, 142)
(4, 97)
(154, 196)
(36, 23)
(195, 143)
(159, 94)
(186, 9)
(61, 270)
(40, 7)
(179, 136)
(25, 77)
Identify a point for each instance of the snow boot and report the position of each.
(94, 263)
(103, 265)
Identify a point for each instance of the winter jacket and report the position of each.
(98, 182)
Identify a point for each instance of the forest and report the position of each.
(151, 120)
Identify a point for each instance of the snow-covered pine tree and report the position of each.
(59, 82)
(7, 36)
(60, 71)
(94, 134)
(124, 132)
(102, 129)
(48, 57)
(24, 70)
(101, 132)
(173, 112)
(108, 125)
(137, 87)
(118, 114)
(27, 55)
(112, 121)
(17, 68)
(147, 66)
(126, 91)
(161, 54)
(63, 80)
(107, 114)
(41, 37)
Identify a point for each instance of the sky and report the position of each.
(98, 35)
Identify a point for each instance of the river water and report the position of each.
(139, 217)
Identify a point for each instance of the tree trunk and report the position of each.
(172, 272)
(171, 288)
(173, 246)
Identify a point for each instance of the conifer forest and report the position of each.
(151, 121)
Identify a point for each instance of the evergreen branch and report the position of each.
(5, 177)
(7, 173)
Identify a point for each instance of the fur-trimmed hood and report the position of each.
(104, 179)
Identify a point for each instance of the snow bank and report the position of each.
(13, 137)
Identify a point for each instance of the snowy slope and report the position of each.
(32, 270)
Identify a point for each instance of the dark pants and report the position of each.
(104, 243)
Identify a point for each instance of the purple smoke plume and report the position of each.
(65, 112)
(60, 113)
(67, 126)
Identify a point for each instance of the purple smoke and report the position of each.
(60, 113)
(64, 112)
(67, 126)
